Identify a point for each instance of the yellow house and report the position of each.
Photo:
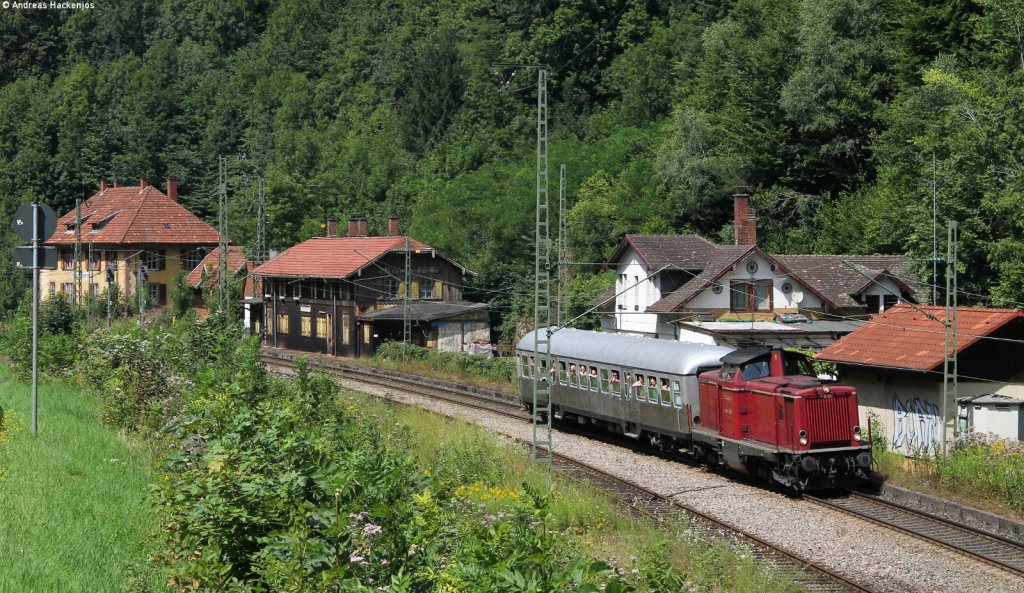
(119, 229)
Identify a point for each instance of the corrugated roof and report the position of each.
(904, 337)
(211, 266)
(134, 215)
(335, 257)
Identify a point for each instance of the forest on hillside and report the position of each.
(839, 116)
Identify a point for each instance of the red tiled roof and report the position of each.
(134, 215)
(904, 337)
(211, 266)
(333, 257)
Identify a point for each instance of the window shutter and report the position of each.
(401, 290)
(162, 296)
(437, 290)
(415, 289)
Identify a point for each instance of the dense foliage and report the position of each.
(838, 114)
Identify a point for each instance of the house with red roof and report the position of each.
(896, 362)
(345, 295)
(204, 277)
(120, 230)
(685, 287)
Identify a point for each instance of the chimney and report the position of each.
(332, 226)
(118, 183)
(353, 226)
(744, 221)
(393, 229)
(143, 183)
(103, 185)
(363, 227)
(172, 189)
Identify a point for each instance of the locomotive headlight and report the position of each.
(856, 433)
(803, 437)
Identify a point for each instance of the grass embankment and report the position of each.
(596, 525)
(73, 499)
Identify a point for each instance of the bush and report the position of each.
(985, 464)
(501, 370)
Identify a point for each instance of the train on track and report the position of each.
(759, 411)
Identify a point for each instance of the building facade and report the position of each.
(320, 295)
(684, 287)
(119, 230)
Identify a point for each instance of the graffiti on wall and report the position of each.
(916, 424)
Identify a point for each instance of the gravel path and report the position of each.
(867, 553)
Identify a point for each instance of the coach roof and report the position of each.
(625, 350)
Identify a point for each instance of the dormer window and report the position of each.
(99, 224)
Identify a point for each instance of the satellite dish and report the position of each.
(798, 296)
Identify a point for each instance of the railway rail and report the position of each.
(807, 574)
(998, 551)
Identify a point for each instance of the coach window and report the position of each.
(561, 372)
(677, 395)
(652, 389)
(639, 387)
(604, 380)
(524, 366)
(594, 383)
(616, 383)
(584, 377)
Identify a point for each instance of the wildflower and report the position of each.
(384, 562)
(371, 530)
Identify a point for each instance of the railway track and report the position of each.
(810, 576)
(992, 549)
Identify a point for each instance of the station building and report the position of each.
(896, 363)
(123, 228)
(345, 296)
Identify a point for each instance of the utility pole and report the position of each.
(563, 250)
(950, 366)
(260, 250)
(935, 236)
(77, 272)
(90, 297)
(222, 245)
(407, 298)
(542, 442)
(140, 284)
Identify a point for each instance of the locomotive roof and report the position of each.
(745, 354)
(627, 350)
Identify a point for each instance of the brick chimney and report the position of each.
(172, 189)
(103, 185)
(353, 226)
(332, 226)
(118, 183)
(393, 229)
(363, 227)
(143, 183)
(744, 221)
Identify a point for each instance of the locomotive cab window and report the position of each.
(727, 373)
(755, 370)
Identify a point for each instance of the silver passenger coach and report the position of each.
(633, 385)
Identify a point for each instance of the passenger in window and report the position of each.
(664, 385)
(629, 378)
(583, 370)
(652, 382)
(639, 381)
(615, 377)
(572, 368)
(593, 371)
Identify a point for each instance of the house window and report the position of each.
(745, 295)
(94, 260)
(321, 327)
(297, 289)
(92, 289)
(282, 323)
(155, 260)
(307, 326)
(390, 288)
(111, 257)
(53, 288)
(426, 289)
(872, 303)
(67, 288)
(67, 259)
(157, 293)
(190, 259)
